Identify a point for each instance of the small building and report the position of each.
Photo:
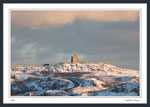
(74, 59)
(46, 65)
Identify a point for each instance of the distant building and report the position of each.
(46, 65)
(74, 59)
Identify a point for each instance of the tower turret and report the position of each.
(74, 59)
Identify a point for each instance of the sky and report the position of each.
(39, 37)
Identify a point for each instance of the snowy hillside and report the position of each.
(94, 67)
(74, 79)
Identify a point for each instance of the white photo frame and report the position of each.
(69, 100)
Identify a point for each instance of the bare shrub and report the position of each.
(44, 73)
(72, 74)
(34, 94)
(20, 83)
(32, 78)
(49, 79)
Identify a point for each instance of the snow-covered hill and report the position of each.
(94, 67)
(77, 67)
(74, 79)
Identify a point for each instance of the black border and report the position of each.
(74, 1)
(148, 34)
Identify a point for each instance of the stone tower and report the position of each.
(74, 59)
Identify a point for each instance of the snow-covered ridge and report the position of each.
(78, 67)
(94, 67)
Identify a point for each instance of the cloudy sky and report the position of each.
(39, 37)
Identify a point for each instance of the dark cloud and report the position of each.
(113, 42)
